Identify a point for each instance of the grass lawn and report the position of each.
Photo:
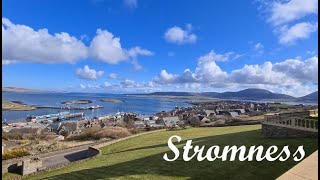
(142, 157)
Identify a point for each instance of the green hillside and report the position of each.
(142, 157)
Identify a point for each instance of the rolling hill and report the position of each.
(251, 94)
(246, 94)
(313, 97)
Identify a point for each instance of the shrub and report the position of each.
(87, 134)
(113, 133)
(65, 133)
(14, 153)
(134, 130)
(99, 133)
(11, 136)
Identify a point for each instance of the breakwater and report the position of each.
(69, 108)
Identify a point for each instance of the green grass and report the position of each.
(142, 157)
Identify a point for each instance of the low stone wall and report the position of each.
(278, 131)
(12, 165)
(92, 151)
(30, 166)
(235, 123)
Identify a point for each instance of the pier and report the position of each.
(56, 117)
(70, 108)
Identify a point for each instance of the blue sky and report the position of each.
(145, 45)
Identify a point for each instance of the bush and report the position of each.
(20, 136)
(65, 133)
(87, 134)
(99, 133)
(113, 133)
(11, 136)
(134, 130)
(14, 153)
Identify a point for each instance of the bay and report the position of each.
(140, 105)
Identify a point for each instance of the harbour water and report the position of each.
(140, 105)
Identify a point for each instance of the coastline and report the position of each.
(16, 106)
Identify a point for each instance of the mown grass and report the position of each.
(142, 157)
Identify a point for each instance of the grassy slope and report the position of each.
(141, 157)
(8, 105)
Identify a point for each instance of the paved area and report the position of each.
(306, 169)
(65, 156)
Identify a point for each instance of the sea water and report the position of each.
(140, 105)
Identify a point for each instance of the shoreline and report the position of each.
(16, 106)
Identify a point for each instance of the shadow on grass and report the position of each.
(154, 166)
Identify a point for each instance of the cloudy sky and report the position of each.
(145, 45)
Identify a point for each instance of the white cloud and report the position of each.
(178, 35)
(285, 16)
(130, 86)
(258, 47)
(107, 48)
(131, 3)
(206, 71)
(83, 86)
(89, 87)
(113, 76)
(22, 43)
(302, 71)
(88, 74)
(166, 78)
(212, 56)
(298, 31)
(134, 52)
(287, 11)
(285, 74)
(7, 62)
(311, 52)
(258, 74)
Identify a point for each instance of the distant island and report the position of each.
(246, 94)
(112, 100)
(16, 106)
(77, 102)
(23, 90)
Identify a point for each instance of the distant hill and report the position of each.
(172, 94)
(16, 89)
(313, 97)
(253, 94)
(246, 94)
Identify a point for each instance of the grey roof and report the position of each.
(205, 119)
(208, 112)
(234, 114)
(170, 121)
(69, 125)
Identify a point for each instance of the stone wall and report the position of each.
(92, 151)
(12, 165)
(30, 166)
(278, 131)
